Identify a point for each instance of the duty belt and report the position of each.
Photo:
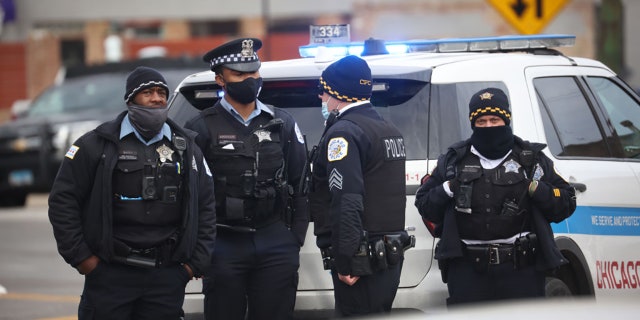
(521, 254)
(491, 254)
(146, 258)
(250, 225)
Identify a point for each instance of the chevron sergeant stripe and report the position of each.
(335, 179)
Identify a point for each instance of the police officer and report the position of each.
(132, 209)
(358, 198)
(493, 198)
(257, 153)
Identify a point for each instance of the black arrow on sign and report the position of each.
(519, 7)
(539, 8)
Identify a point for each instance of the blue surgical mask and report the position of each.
(325, 109)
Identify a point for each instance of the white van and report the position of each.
(585, 113)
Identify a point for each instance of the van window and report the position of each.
(623, 112)
(569, 121)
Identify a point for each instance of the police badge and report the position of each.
(486, 96)
(538, 172)
(247, 48)
(511, 166)
(165, 153)
(263, 135)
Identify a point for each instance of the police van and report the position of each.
(586, 114)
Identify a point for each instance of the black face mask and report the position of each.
(147, 121)
(492, 142)
(245, 91)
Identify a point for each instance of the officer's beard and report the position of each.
(147, 121)
(492, 142)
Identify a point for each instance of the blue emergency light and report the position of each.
(499, 43)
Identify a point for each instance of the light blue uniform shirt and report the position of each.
(259, 108)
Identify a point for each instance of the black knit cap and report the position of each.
(239, 55)
(489, 101)
(348, 79)
(142, 78)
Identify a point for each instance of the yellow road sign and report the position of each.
(528, 16)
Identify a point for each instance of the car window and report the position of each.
(569, 121)
(623, 112)
(449, 113)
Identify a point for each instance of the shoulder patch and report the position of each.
(337, 149)
(298, 133)
(72, 152)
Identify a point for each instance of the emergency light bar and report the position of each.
(500, 43)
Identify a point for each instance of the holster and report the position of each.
(361, 261)
(145, 258)
(394, 248)
(389, 251)
(525, 250)
(327, 258)
(137, 258)
(379, 255)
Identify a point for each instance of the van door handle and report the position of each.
(581, 187)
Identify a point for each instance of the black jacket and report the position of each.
(436, 206)
(80, 201)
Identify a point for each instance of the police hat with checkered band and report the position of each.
(489, 101)
(239, 55)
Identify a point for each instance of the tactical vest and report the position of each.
(147, 191)
(498, 207)
(248, 166)
(383, 174)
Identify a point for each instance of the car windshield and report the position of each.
(102, 91)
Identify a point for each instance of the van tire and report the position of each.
(555, 287)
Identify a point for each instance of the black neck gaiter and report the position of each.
(492, 142)
(147, 121)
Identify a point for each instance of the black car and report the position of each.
(33, 146)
